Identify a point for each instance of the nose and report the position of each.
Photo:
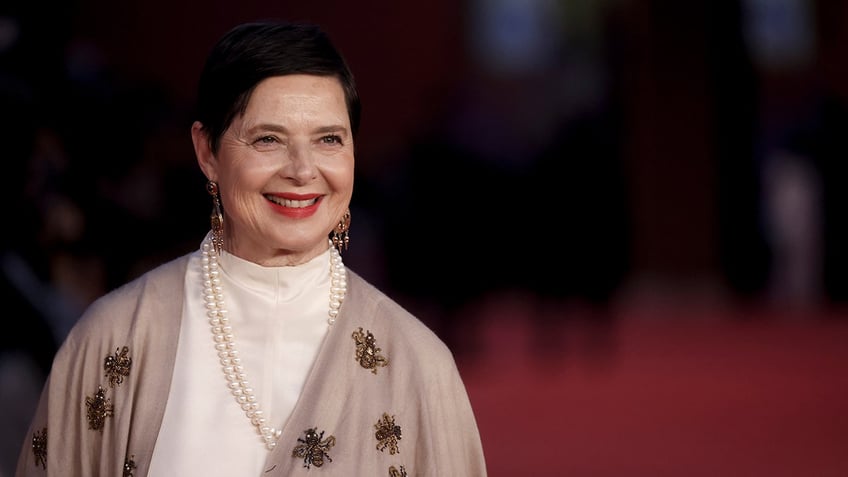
(300, 164)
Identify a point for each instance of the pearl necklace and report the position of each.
(222, 334)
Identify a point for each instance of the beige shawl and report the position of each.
(384, 397)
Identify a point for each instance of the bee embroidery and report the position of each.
(367, 352)
(39, 448)
(118, 366)
(98, 409)
(388, 434)
(393, 472)
(312, 449)
(129, 466)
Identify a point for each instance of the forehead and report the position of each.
(299, 93)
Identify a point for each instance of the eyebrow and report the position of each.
(333, 128)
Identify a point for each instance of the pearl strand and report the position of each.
(222, 334)
(338, 284)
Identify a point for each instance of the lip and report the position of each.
(294, 196)
(295, 212)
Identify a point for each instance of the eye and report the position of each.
(266, 140)
(267, 143)
(331, 139)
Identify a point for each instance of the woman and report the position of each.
(259, 353)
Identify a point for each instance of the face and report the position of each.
(284, 169)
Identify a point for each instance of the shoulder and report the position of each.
(162, 284)
(372, 309)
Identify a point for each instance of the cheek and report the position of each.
(340, 176)
(248, 178)
(242, 184)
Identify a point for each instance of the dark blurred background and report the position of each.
(624, 217)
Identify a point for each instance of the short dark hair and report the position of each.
(251, 52)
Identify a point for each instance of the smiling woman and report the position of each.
(260, 353)
(284, 168)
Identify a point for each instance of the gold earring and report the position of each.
(217, 218)
(341, 237)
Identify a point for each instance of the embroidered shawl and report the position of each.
(384, 397)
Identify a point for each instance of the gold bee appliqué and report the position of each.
(367, 352)
(393, 472)
(129, 466)
(39, 448)
(388, 434)
(98, 408)
(117, 367)
(313, 448)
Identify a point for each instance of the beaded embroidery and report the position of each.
(393, 472)
(388, 434)
(98, 409)
(39, 448)
(313, 449)
(117, 367)
(129, 466)
(367, 352)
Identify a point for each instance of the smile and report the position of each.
(294, 204)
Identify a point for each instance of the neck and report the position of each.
(274, 257)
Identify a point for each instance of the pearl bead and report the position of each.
(224, 337)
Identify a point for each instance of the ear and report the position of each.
(203, 151)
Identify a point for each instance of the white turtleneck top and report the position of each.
(279, 319)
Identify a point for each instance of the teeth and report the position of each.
(295, 204)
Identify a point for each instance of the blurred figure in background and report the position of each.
(46, 277)
(799, 50)
(524, 152)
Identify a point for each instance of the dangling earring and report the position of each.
(341, 238)
(216, 219)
